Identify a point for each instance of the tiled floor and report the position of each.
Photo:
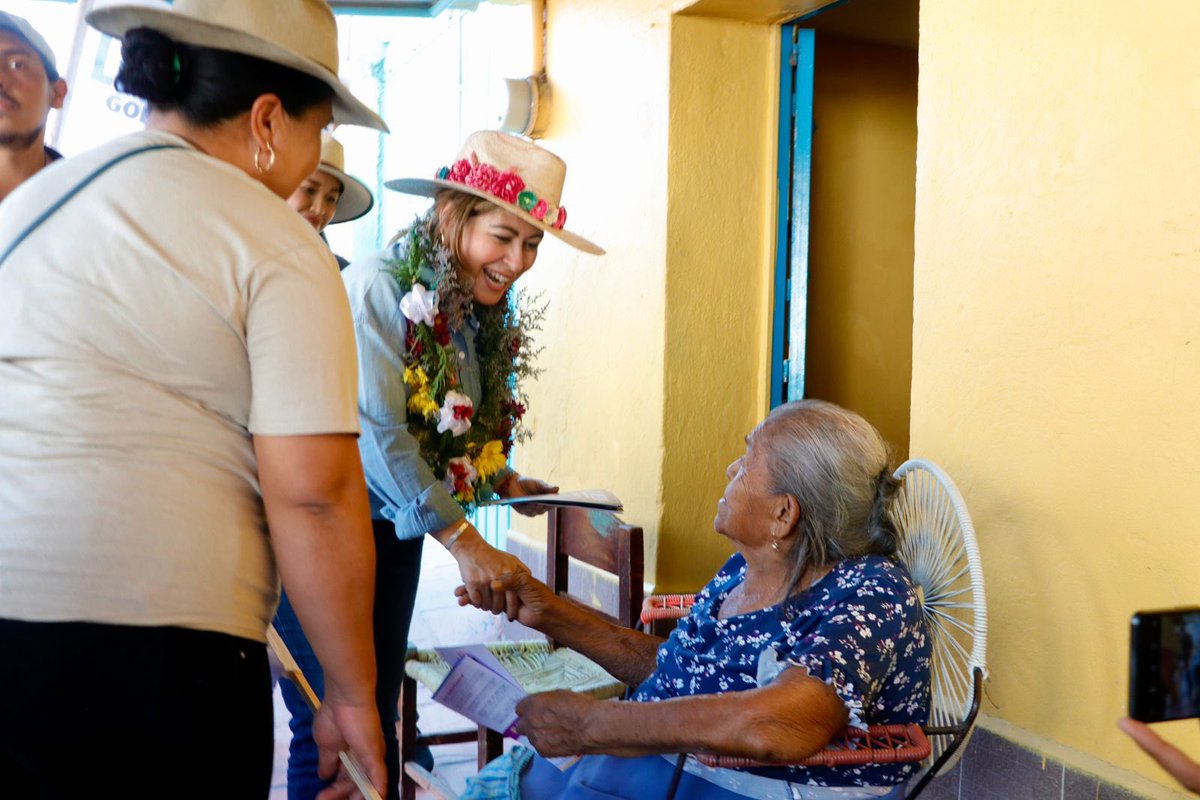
(438, 620)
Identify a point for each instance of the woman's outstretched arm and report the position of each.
(627, 655)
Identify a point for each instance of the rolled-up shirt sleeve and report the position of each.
(403, 484)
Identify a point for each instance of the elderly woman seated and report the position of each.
(811, 625)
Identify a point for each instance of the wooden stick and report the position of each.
(292, 670)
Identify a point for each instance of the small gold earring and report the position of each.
(774, 544)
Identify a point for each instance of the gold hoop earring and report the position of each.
(270, 159)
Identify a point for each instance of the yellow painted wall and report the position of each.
(720, 250)
(1056, 354)
(596, 411)
(861, 241)
(655, 364)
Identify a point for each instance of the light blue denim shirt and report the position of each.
(402, 486)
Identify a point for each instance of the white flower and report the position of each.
(467, 473)
(455, 414)
(419, 305)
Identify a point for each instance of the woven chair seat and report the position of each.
(535, 665)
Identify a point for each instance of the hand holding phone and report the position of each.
(1169, 757)
(1164, 664)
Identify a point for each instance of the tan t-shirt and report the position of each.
(171, 309)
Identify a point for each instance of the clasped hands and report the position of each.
(556, 723)
(480, 564)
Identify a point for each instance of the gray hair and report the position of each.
(837, 466)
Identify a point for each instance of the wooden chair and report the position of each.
(597, 538)
(938, 547)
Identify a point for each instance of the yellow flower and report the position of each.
(490, 460)
(416, 378)
(421, 402)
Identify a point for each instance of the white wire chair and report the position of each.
(939, 549)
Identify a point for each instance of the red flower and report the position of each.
(412, 343)
(514, 409)
(460, 171)
(463, 412)
(459, 473)
(507, 186)
(483, 177)
(562, 218)
(441, 330)
(539, 210)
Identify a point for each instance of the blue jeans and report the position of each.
(614, 778)
(610, 777)
(397, 571)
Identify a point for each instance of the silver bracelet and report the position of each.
(462, 526)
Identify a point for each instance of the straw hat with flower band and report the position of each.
(306, 43)
(356, 199)
(515, 174)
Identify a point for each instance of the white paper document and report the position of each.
(480, 653)
(481, 694)
(600, 499)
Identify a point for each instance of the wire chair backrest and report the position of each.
(938, 546)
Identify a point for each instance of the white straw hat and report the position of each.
(356, 198)
(515, 174)
(300, 34)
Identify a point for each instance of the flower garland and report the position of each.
(465, 445)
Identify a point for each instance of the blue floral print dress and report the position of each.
(859, 628)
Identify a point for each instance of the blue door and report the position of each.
(793, 182)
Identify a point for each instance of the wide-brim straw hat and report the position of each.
(515, 174)
(300, 34)
(356, 198)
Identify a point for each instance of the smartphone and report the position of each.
(1164, 664)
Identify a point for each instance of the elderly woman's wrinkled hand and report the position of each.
(556, 723)
(526, 598)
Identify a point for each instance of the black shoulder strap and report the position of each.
(60, 202)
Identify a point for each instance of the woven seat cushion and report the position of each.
(536, 666)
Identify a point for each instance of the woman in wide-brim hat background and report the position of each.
(176, 372)
(329, 195)
(440, 360)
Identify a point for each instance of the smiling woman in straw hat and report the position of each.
(329, 195)
(176, 372)
(441, 351)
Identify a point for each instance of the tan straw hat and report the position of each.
(515, 174)
(356, 198)
(301, 34)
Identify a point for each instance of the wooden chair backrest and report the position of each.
(601, 539)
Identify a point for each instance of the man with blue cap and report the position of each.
(29, 87)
